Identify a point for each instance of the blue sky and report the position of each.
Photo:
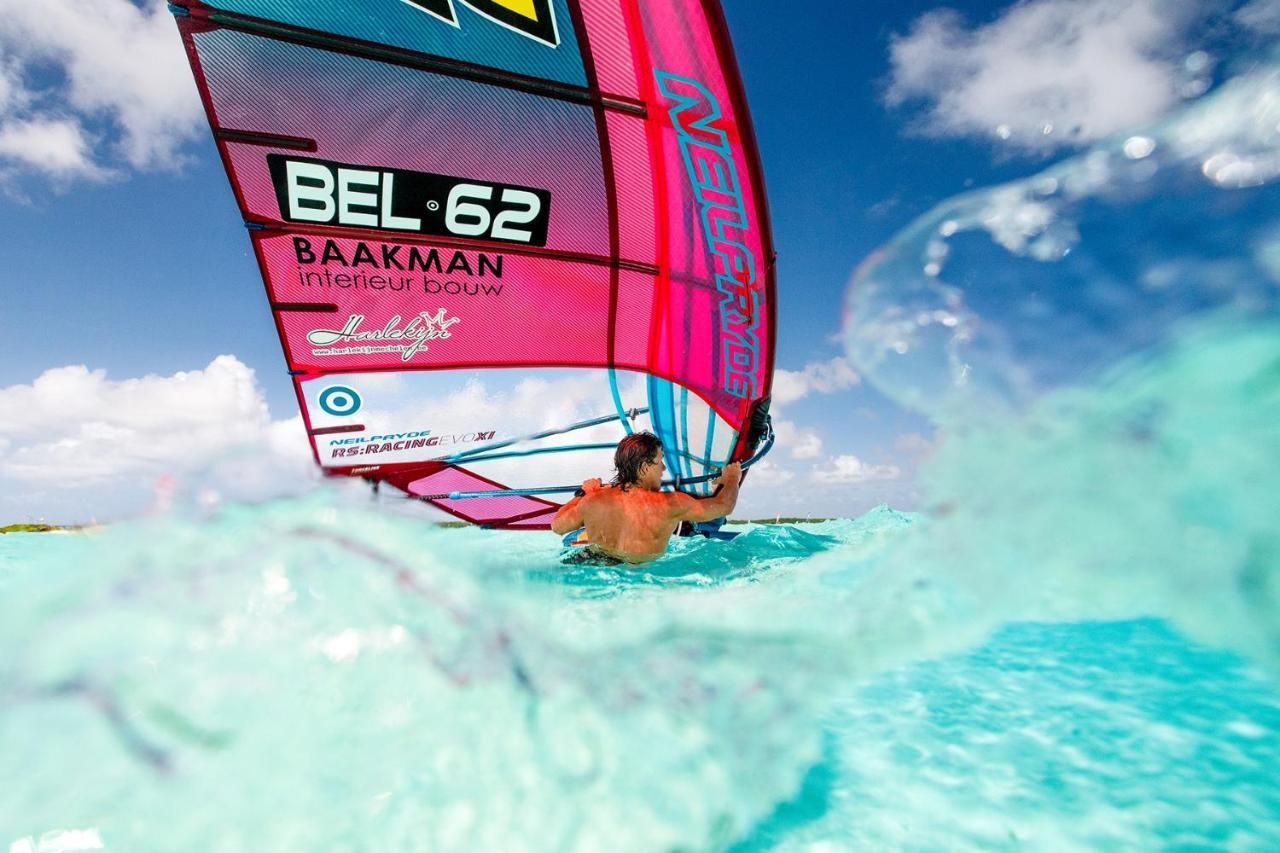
(123, 250)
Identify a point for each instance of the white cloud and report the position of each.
(81, 443)
(914, 445)
(823, 377)
(797, 441)
(800, 442)
(768, 473)
(12, 93)
(57, 147)
(224, 394)
(848, 468)
(1261, 16)
(120, 68)
(1045, 74)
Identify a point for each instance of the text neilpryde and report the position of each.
(708, 160)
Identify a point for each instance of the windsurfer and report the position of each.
(630, 520)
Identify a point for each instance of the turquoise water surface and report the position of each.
(1074, 645)
(317, 675)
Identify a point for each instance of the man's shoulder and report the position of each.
(647, 496)
(679, 501)
(607, 495)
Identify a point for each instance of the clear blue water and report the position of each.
(1075, 645)
(319, 675)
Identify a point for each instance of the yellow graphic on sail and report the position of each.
(532, 18)
(520, 7)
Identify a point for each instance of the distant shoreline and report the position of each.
(784, 519)
(43, 528)
(77, 528)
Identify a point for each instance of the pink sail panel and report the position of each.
(420, 128)
(459, 185)
(715, 321)
(501, 510)
(347, 303)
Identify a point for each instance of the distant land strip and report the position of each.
(74, 528)
(778, 520)
(39, 528)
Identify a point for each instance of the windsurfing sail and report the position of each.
(498, 235)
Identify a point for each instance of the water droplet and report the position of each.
(1194, 88)
(1047, 186)
(1227, 170)
(1137, 147)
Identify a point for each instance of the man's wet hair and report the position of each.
(632, 453)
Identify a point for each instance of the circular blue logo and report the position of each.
(340, 401)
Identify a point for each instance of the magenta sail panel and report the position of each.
(473, 219)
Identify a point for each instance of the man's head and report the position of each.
(638, 461)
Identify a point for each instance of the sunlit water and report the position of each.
(1076, 645)
(313, 675)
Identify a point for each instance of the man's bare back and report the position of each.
(634, 523)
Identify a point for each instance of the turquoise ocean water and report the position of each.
(309, 675)
(1074, 646)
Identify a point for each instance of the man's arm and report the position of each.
(569, 516)
(689, 508)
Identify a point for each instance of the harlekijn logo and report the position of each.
(339, 400)
(406, 341)
(533, 19)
